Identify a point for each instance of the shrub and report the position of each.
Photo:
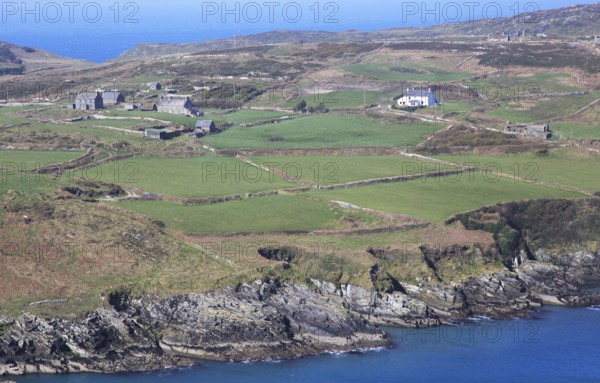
(119, 299)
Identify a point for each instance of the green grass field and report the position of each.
(108, 135)
(323, 131)
(240, 116)
(576, 130)
(562, 167)
(247, 116)
(342, 99)
(184, 120)
(437, 199)
(450, 106)
(385, 72)
(497, 87)
(279, 213)
(17, 185)
(25, 185)
(9, 115)
(327, 170)
(191, 177)
(124, 124)
(29, 160)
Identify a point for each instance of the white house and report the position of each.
(417, 98)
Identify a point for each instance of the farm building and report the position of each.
(161, 134)
(417, 98)
(205, 127)
(535, 131)
(155, 86)
(176, 105)
(113, 98)
(154, 133)
(88, 101)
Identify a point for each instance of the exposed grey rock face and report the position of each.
(266, 320)
(499, 295)
(257, 322)
(254, 322)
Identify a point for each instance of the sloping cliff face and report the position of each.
(548, 249)
(551, 246)
(561, 232)
(254, 322)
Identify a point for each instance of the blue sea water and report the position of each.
(558, 345)
(100, 30)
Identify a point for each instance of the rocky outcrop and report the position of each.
(254, 322)
(257, 322)
(266, 320)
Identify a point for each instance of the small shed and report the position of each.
(154, 133)
(205, 127)
(155, 85)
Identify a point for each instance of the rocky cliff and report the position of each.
(253, 322)
(547, 248)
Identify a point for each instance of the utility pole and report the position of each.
(571, 132)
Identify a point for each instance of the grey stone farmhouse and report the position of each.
(89, 101)
(176, 105)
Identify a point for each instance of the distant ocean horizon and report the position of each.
(48, 27)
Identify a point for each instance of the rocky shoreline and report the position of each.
(267, 320)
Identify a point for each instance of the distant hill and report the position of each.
(275, 37)
(15, 60)
(573, 21)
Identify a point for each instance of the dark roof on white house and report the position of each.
(417, 93)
